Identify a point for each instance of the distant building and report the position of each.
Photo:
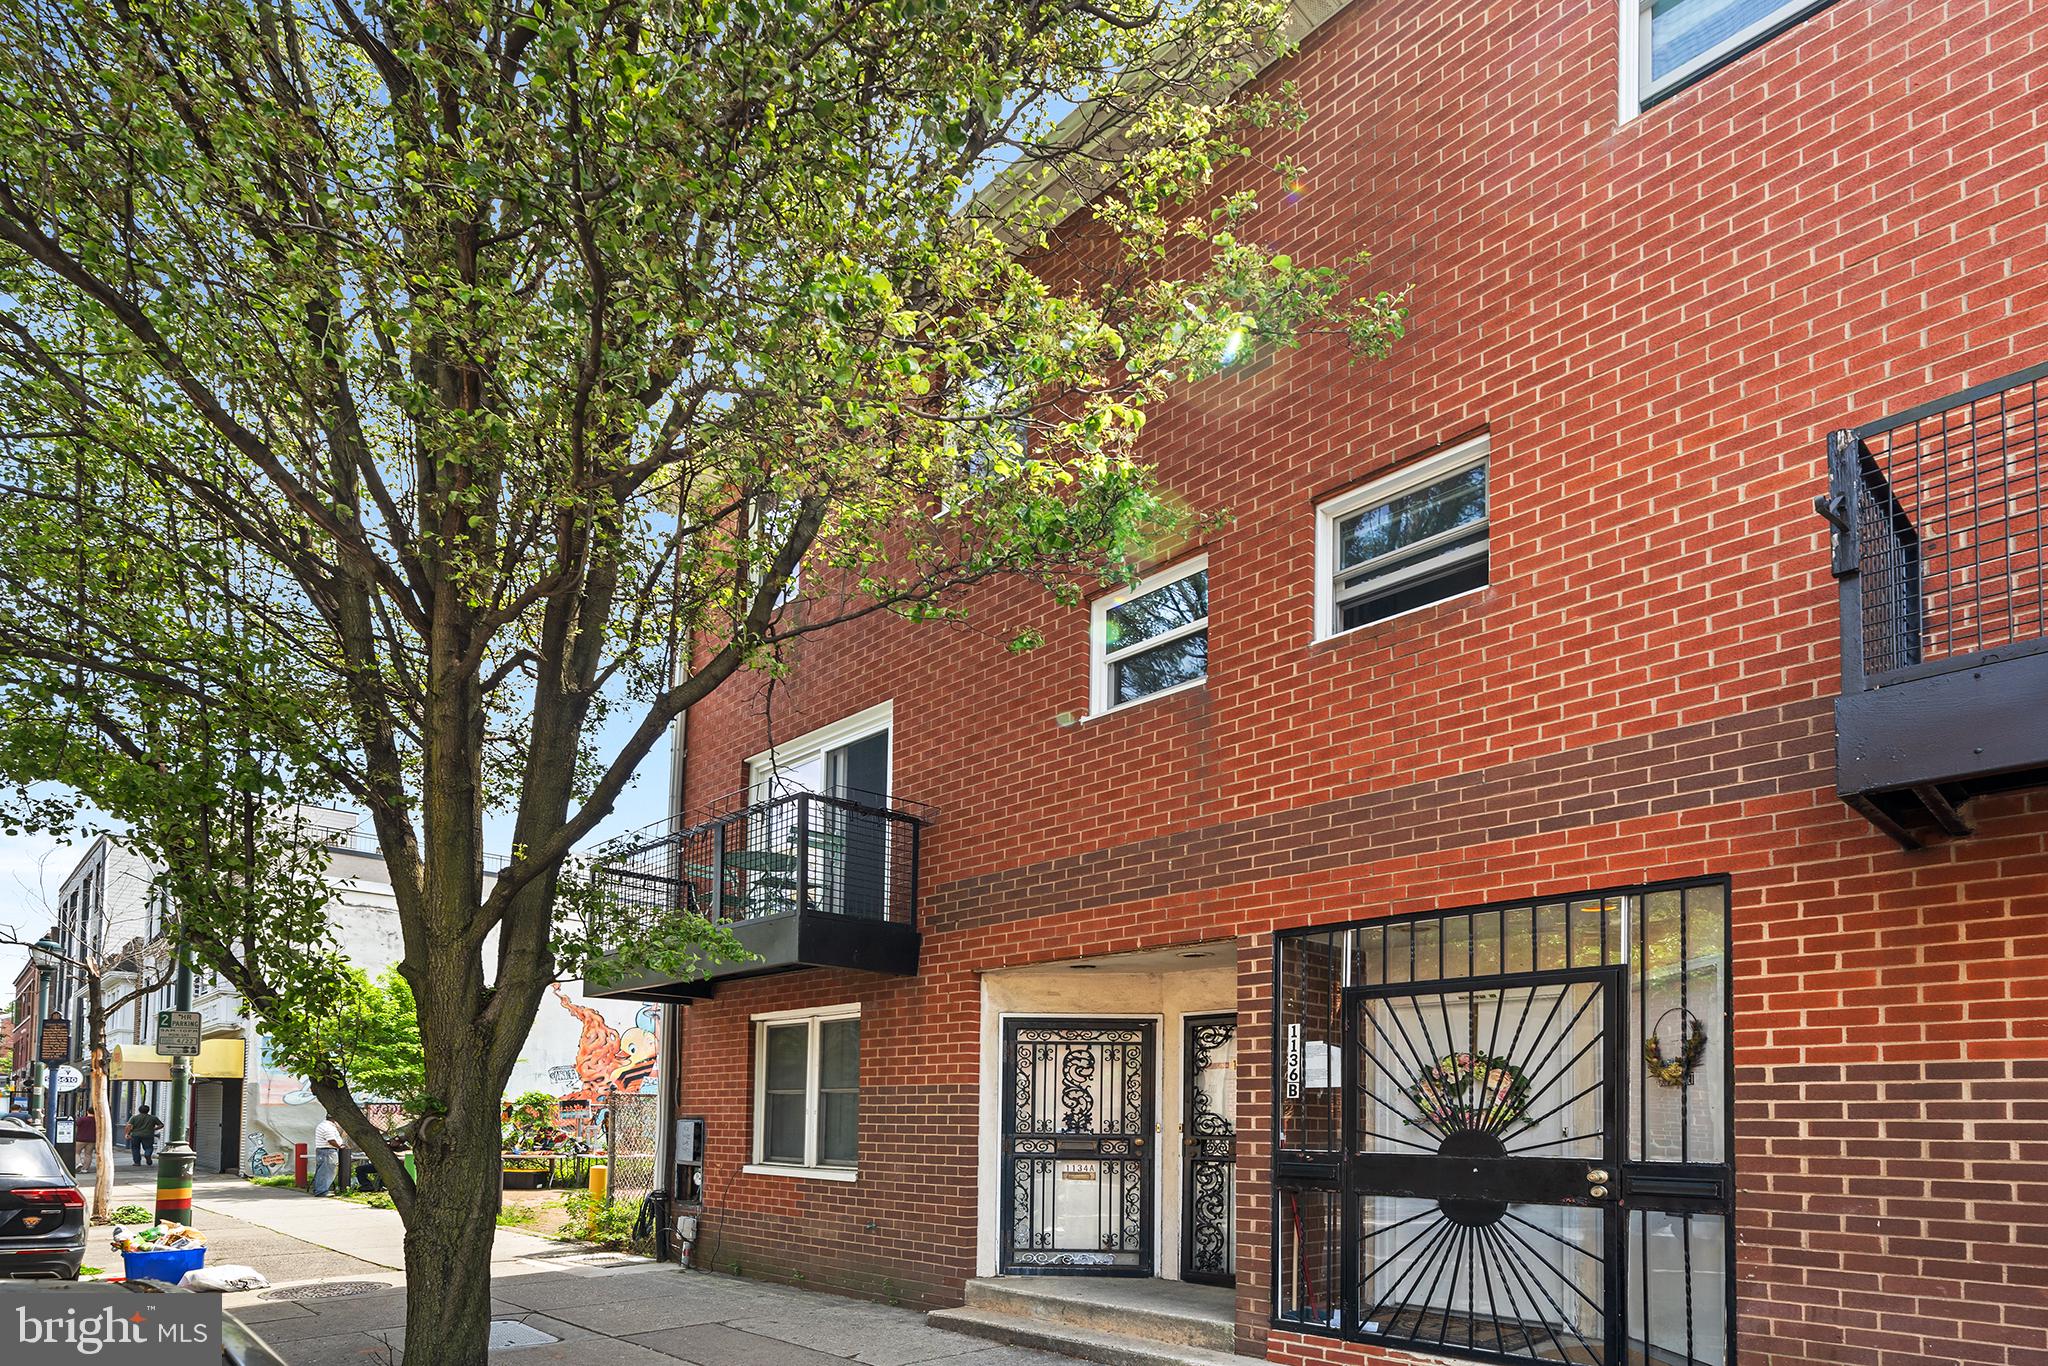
(248, 1110)
(24, 1077)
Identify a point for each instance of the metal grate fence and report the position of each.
(827, 855)
(1939, 514)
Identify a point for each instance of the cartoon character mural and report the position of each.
(609, 1060)
(281, 1114)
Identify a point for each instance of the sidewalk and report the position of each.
(551, 1302)
(375, 1236)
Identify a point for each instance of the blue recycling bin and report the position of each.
(169, 1266)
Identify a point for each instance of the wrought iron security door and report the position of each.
(1077, 1152)
(1209, 1148)
(1485, 1164)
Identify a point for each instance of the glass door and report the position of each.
(1486, 1145)
(1208, 1251)
(1077, 1159)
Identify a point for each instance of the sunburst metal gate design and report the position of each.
(1077, 1160)
(1487, 1123)
(1208, 1242)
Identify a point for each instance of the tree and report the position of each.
(114, 978)
(392, 395)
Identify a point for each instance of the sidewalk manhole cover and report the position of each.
(513, 1333)
(325, 1290)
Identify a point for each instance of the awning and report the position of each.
(217, 1058)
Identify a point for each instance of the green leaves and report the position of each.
(397, 416)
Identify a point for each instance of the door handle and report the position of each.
(1597, 1177)
(1597, 1192)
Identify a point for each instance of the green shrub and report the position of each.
(607, 1223)
(515, 1216)
(274, 1182)
(134, 1214)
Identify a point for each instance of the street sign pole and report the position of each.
(53, 1046)
(175, 1160)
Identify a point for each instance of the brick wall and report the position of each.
(1656, 325)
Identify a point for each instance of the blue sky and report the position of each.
(33, 867)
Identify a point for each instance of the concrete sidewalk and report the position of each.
(371, 1235)
(552, 1302)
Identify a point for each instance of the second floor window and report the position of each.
(1416, 537)
(1152, 637)
(1678, 41)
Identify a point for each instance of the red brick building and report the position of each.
(24, 1075)
(1436, 904)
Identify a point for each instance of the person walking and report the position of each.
(142, 1132)
(327, 1146)
(88, 1133)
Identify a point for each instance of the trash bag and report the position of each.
(221, 1279)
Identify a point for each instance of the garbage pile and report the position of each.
(168, 1236)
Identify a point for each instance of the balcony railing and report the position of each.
(805, 879)
(1939, 547)
(805, 851)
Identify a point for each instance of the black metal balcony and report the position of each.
(1939, 548)
(803, 881)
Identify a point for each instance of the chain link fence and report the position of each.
(633, 1122)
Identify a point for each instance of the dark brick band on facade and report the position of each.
(1708, 763)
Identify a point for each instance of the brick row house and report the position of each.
(1561, 873)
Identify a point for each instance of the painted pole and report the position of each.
(45, 1000)
(175, 1160)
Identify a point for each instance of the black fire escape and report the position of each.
(1939, 547)
(802, 880)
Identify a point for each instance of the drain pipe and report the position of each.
(666, 1078)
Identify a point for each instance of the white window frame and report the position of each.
(762, 767)
(1636, 87)
(1102, 659)
(1332, 512)
(810, 1169)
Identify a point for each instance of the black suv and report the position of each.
(42, 1213)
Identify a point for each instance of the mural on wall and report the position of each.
(581, 1052)
(611, 1056)
(280, 1112)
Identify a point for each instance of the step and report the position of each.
(1170, 1312)
(1089, 1344)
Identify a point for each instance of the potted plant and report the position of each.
(529, 1137)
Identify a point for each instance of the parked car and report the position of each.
(42, 1212)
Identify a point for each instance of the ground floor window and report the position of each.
(807, 1089)
(1504, 1131)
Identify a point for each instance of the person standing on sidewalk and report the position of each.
(327, 1146)
(88, 1134)
(142, 1131)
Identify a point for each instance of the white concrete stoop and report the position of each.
(1113, 1321)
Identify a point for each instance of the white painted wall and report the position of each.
(578, 1049)
(1165, 997)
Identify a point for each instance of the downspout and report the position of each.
(667, 1077)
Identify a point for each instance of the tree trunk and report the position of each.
(448, 1240)
(102, 1138)
(103, 1165)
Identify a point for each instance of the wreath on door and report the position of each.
(1471, 1091)
(1692, 1049)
